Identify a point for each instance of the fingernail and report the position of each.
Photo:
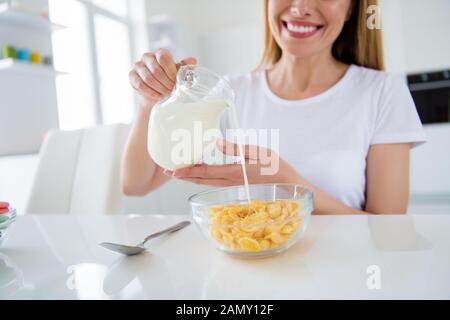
(168, 172)
(175, 173)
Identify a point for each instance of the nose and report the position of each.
(302, 8)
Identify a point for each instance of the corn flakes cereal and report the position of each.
(256, 227)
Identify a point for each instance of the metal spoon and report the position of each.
(133, 250)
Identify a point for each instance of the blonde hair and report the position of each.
(356, 44)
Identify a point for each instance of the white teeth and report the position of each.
(301, 29)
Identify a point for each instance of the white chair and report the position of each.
(79, 172)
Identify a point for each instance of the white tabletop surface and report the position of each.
(58, 257)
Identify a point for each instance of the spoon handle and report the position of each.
(174, 228)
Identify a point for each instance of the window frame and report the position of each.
(92, 11)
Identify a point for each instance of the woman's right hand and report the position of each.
(154, 76)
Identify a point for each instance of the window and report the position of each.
(96, 50)
(117, 7)
(113, 52)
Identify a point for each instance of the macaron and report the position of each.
(4, 207)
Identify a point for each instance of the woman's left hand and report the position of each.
(262, 165)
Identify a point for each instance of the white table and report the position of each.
(58, 257)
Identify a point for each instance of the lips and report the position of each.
(301, 29)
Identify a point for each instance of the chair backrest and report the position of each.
(79, 172)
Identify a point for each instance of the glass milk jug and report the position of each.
(184, 127)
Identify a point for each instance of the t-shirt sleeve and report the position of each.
(397, 120)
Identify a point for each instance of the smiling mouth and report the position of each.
(301, 30)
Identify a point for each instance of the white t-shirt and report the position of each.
(326, 138)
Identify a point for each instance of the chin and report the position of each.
(301, 53)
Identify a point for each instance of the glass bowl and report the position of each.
(275, 220)
(6, 219)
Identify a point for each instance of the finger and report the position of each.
(165, 60)
(229, 148)
(152, 64)
(150, 79)
(143, 89)
(228, 171)
(188, 60)
(210, 182)
(168, 172)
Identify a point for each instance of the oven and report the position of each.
(431, 94)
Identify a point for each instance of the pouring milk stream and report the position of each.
(177, 124)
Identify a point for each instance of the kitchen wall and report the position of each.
(416, 35)
(226, 36)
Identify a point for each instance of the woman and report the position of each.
(346, 128)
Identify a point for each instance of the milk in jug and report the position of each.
(185, 126)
